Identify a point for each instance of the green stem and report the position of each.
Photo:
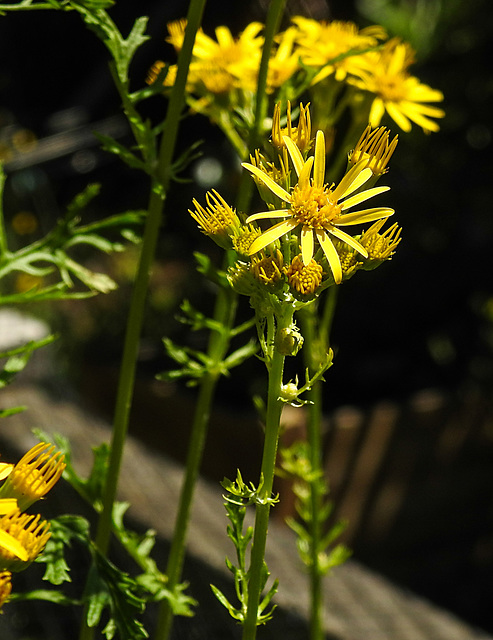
(139, 294)
(262, 510)
(316, 345)
(224, 314)
(272, 22)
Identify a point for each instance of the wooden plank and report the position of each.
(359, 604)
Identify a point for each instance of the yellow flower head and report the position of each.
(224, 63)
(243, 238)
(34, 475)
(380, 246)
(5, 587)
(323, 44)
(375, 148)
(304, 279)
(22, 538)
(316, 210)
(397, 92)
(300, 135)
(218, 220)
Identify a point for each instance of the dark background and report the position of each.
(423, 321)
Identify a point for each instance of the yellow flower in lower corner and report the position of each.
(22, 538)
(34, 475)
(316, 210)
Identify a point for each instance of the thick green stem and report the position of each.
(262, 510)
(225, 312)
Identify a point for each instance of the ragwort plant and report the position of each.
(313, 176)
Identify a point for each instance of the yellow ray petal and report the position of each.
(304, 177)
(345, 237)
(355, 176)
(319, 168)
(5, 469)
(272, 234)
(306, 245)
(267, 180)
(361, 197)
(367, 215)
(266, 215)
(295, 154)
(11, 544)
(331, 254)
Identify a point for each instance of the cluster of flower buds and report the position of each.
(24, 536)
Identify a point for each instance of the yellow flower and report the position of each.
(320, 44)
(22, 538)
(218, 220)
(397, 92)
(225, 63)
(375, 148)
(380, 246)
(34, 475)
(304, 278)
(5, 587)
(319, 210)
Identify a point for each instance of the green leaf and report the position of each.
(110, 588)
(18, 358)
(112, 146)
(57, 597)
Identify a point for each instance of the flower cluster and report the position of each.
(317, 56)
(24, 536)
(309, 247)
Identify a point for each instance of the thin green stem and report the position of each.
(272, 23)
(224, 314)
(262, 510)
(137, 305)
(316, 333)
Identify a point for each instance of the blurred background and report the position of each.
(408, 404)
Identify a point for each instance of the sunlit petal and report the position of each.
(398, 117)
(265, 215)
(345, 186)
(367, 215)
(267, 180)
(330, 254)
(272, 234)
(295, 154)
(306, 245)
(361, 197)
(348, 240)
(9, 543)
(304, 177)
(319, 167)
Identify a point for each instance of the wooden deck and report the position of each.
(359, 604)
